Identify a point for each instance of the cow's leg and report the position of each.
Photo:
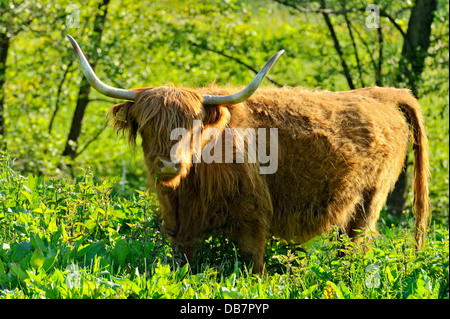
(251, 238)
(185, 252)
(367, 214)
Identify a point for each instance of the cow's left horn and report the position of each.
(245, 93)
(95, 82)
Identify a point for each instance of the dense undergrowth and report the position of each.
(62, 238)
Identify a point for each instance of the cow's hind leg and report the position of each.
(363, 226)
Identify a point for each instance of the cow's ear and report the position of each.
(217, 117)
(122, 119)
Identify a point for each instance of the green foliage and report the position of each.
(62, 239)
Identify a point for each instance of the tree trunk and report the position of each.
(4, 46)
(77, 119)
(83, 93)
(411, 64)
(416, 43)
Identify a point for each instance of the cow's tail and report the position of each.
(421, 175)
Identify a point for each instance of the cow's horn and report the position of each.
(245, 93)
(95, 82)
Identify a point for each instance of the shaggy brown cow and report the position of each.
(339, 155)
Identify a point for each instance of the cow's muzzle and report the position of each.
(163, 168)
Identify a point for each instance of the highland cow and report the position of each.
(339, 156)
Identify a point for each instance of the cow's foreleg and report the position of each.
(251, 242)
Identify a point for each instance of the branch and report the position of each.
(58, 94)
(320, 10)
(366, 45)
(100, 131)
(234, 59)
(392, 20)
(378, 75)
(337, 46)
(383, 13)
(26, 23)
(355, 49)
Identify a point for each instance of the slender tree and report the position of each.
(4, 47)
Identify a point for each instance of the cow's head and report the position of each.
(165, 118)
(154, 113)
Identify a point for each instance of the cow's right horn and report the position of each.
(95, 82)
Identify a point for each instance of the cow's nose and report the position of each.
(165, 167)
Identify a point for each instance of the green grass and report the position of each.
(76, 239)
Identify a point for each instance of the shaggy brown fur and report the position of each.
(340, 154)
